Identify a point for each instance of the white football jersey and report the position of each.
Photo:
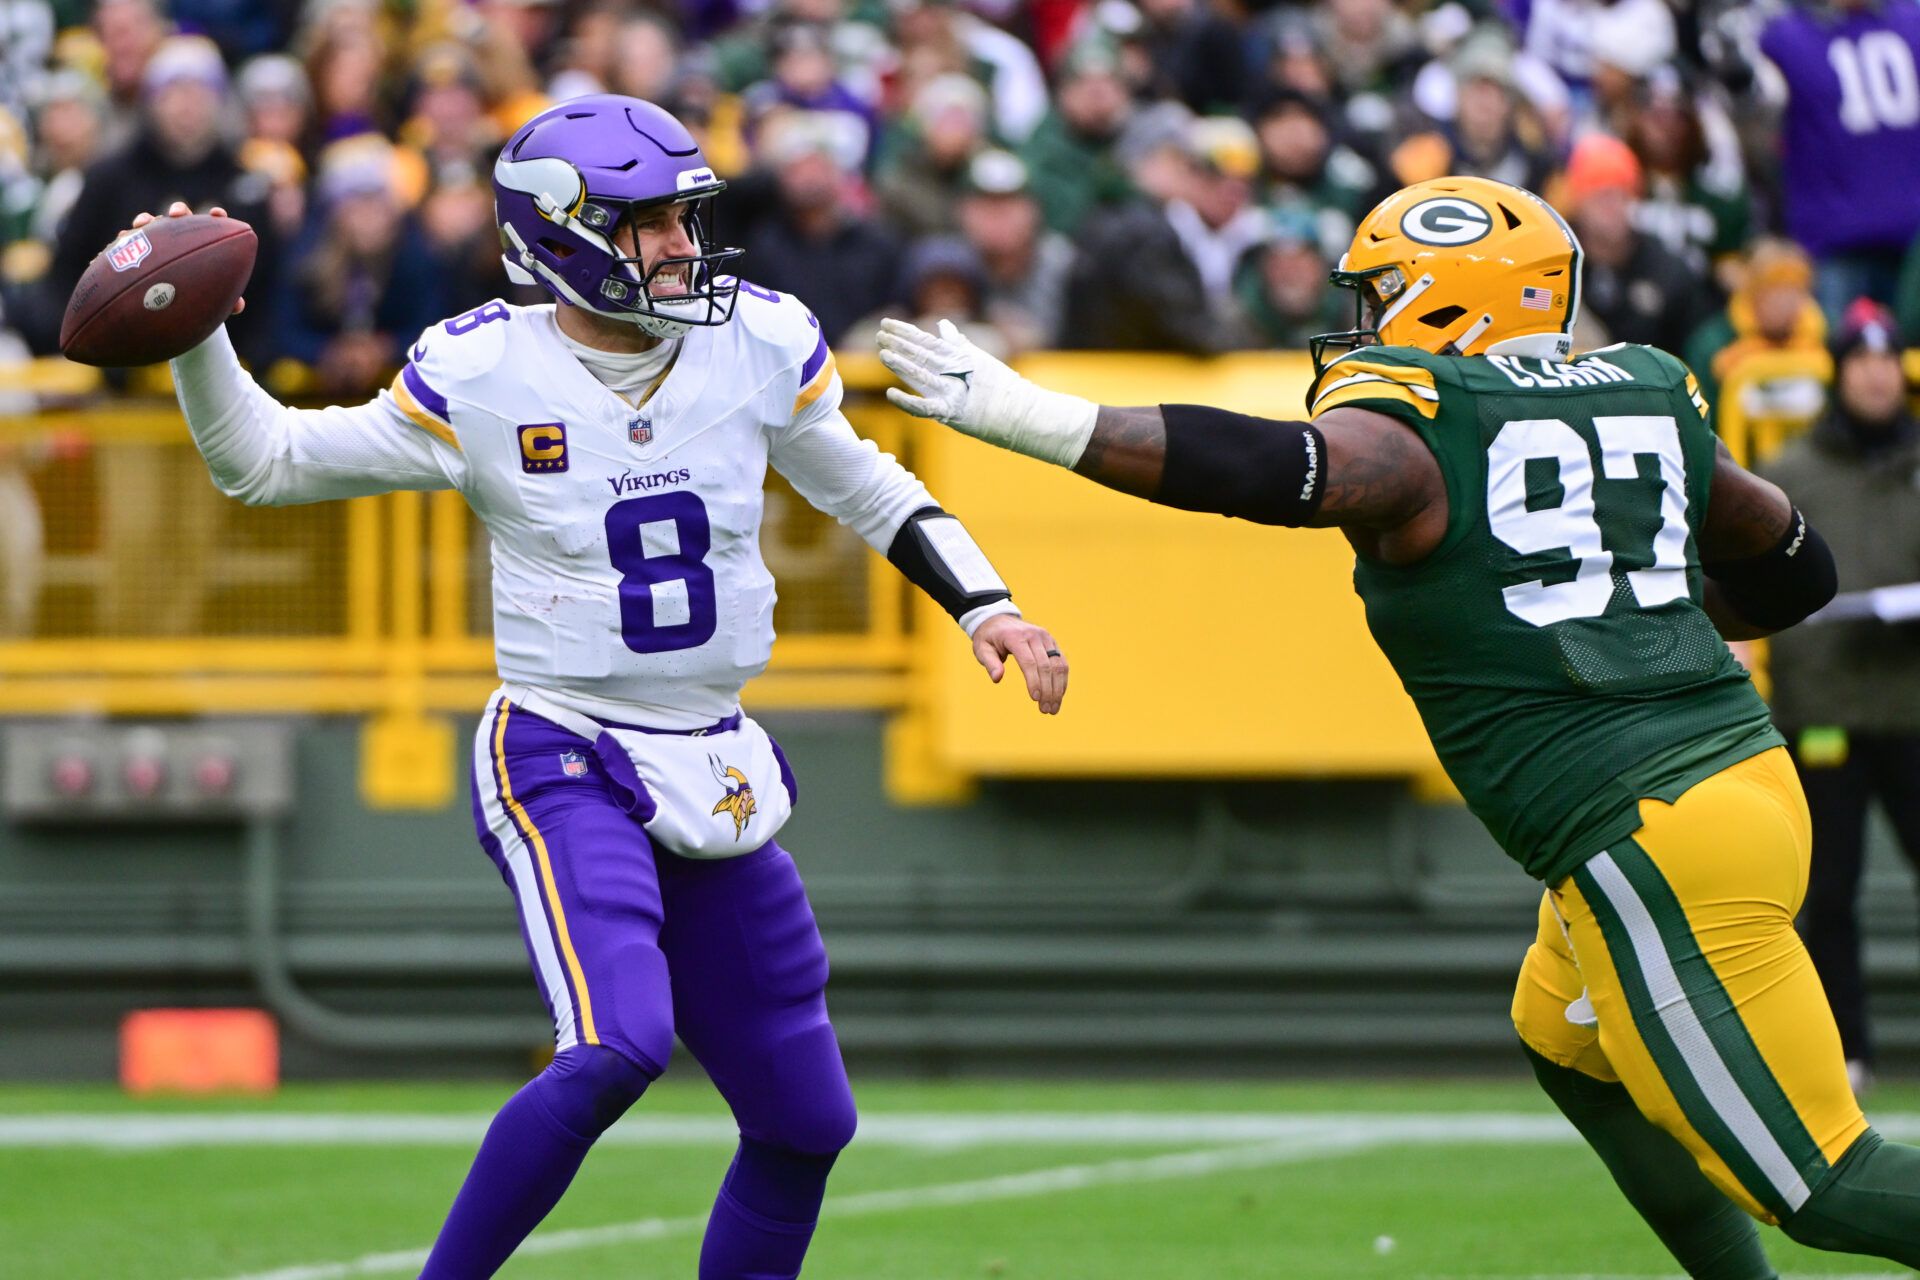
(627, 575)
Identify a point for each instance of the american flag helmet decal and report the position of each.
(1534, 298)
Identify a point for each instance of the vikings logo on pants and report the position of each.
(738, 800)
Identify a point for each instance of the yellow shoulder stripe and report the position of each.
(1410, 375)
(1348, 391)
(419, 416)
(1693, 393)
(818, 387)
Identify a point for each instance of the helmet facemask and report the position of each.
(628, 292)
(1374, 291)
(632, 292)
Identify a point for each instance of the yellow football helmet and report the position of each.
(1461, 266)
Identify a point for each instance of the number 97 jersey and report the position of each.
(627, 571)
(1554, 641)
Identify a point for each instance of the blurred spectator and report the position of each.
(1852, 121)
(1907, 291)
(935, 37)
(276, 103)
(178, 155)
(1570, 35)
(1633, 287)
(449, 128)
(1282, 286)
(646, 58)
(1071, 156)
(19, 188)
(1158, 274)
(364, 284)
(1772, 310)
(533, 25)
(1696, 201)
(67, 125)
(924, 172)
(1026, 265)
(26, 43)
(1369, 45)
(457, 220)
(344, 69)
(242, 28)
(588, 52)
(803, 80)
(816, 243)
(129, 32)
(1847, 694)
(1196, 54)
(1304, 170)
(942, 278)
(1491, 134)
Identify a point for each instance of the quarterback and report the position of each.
(615, 443)
(1550, 549)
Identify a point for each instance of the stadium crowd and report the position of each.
(1127, 174)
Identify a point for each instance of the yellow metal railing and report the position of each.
(376, 605)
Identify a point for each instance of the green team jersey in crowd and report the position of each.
(1554, 641)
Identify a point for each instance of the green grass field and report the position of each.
(947, 1182)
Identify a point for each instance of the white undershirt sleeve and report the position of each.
(832, 467)
(265, 454)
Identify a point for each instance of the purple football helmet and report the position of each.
(565, 182)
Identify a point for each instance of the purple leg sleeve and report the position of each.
(749, 979)
(529, 1156)
(582, 874)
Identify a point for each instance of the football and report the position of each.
(159, 291)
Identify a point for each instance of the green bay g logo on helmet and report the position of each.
(1447, 221)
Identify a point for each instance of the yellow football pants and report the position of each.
(1670, 964)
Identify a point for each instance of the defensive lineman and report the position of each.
(615, 444)
(1550, 550)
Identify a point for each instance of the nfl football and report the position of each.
(159, 291)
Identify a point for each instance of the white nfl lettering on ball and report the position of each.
(1446, 220)
(159, 297)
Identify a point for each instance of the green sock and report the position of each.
(1868, 1203)
(1709, 1236)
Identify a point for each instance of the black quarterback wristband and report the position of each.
(934, 552)
(1259, 469)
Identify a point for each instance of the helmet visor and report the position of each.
(1374, 291)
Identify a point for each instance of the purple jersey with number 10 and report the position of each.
(1852, 130)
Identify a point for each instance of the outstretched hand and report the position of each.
(952, 381)
(1005, 636)
(179, 209)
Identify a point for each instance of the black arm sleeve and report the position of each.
(1781, 586)
(1258, 469)
(953, 572)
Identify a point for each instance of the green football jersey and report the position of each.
(1554, 641)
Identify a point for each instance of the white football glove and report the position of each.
(952, 381)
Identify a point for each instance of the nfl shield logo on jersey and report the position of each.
(639, 429)
(573, 764)
(130, 252)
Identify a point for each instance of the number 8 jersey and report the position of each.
(627, 572)
(1554, 641)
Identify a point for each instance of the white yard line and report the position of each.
(1012, 1186)
(921, 1130)
(1243, 1140)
